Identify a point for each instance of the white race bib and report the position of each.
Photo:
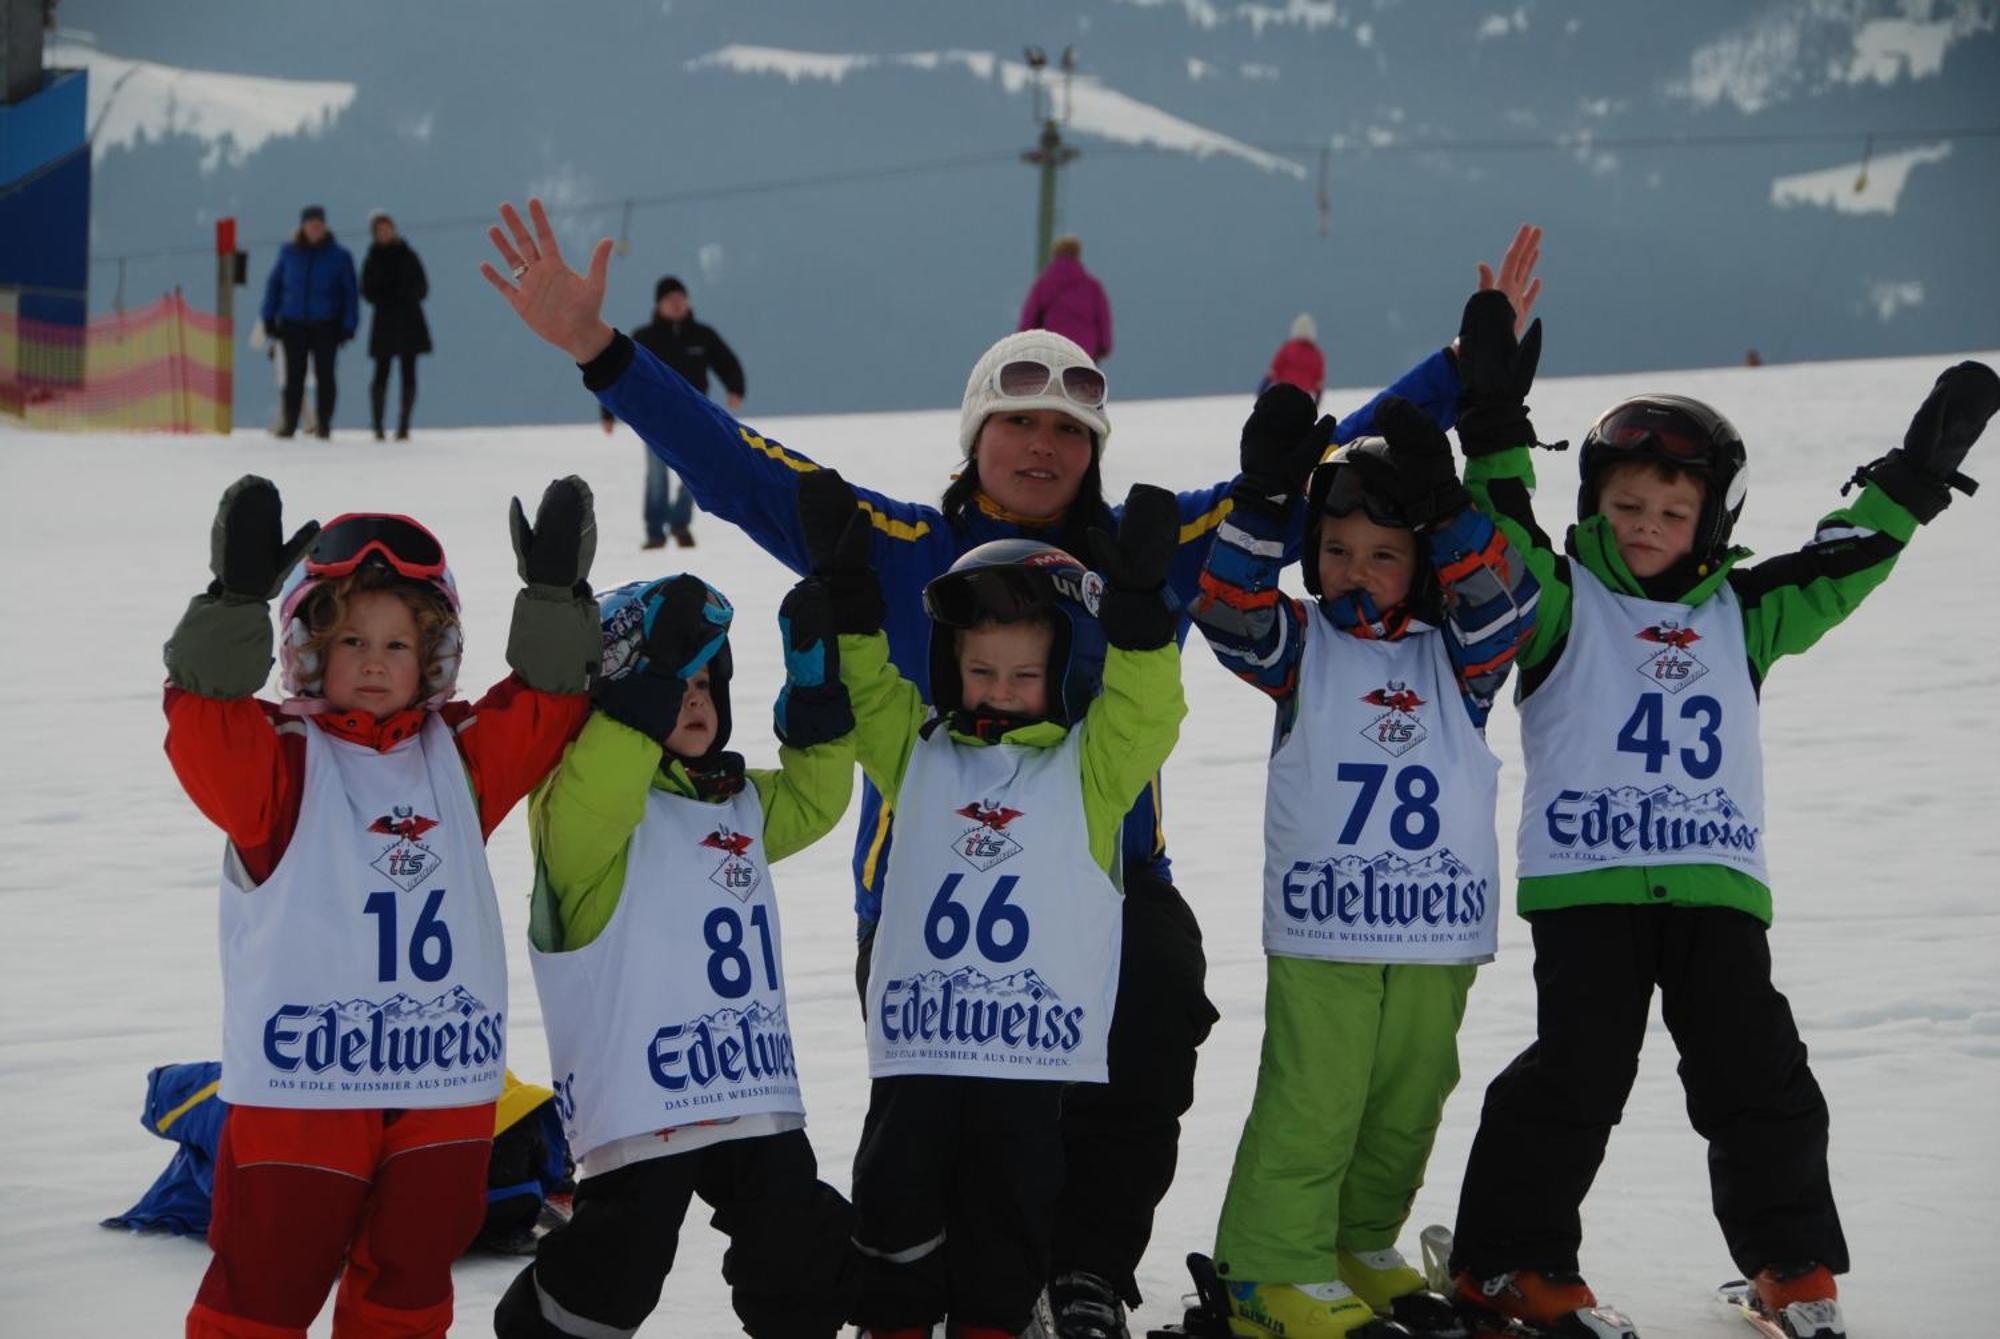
(370, 969)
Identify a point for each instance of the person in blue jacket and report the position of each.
(312, 306)
(1033, 426)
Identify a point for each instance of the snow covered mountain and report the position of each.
(841, 184)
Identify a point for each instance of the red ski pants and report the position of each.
(394, 1195)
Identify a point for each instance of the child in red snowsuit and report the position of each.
(362, 1108)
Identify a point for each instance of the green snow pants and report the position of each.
(1358, 1060)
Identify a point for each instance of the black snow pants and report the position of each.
(1121, 1139)
(1750, 1093)
(790, 1266)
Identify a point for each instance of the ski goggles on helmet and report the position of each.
(1028, 378)
(1005, 594)
(1661, 431)
(401, 544)
(1349, 492)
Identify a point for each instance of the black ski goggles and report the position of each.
(1000, 594)
(1347, 490)
(346, 542)
(1661, 431)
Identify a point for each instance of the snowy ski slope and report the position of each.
(1880, 746)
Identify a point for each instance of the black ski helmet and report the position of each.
(1685, 434)
(1359, 476)
(1005, 581)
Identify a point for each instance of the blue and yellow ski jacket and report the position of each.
(752, 482)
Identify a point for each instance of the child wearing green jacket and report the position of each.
(1641, 849)
(655, 944)
(1056, 697)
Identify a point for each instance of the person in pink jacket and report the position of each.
(1299, 361)
(1068, 299)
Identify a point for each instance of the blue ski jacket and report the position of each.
(313, 283)
(751, 481)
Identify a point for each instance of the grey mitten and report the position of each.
(222, 646)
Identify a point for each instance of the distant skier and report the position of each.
(311, 305)
(1298, 361)
(1068, 299)
(693, 350)
(1642, 852)
(393, 281)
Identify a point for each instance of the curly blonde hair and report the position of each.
(438, 632)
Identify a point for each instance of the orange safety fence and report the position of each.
(163, 368)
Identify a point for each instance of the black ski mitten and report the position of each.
(1281, 443)
(1425, 486)
(555, 643)
(839, 536)
(1920, 474)
(222, 646)
(1137, 611)
(1495, 372)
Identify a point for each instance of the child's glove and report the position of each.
(221, 648)
(1425, 487)
(555, 643)
(688, 629)
(838, 539)
(1495, 373)
(245, 552)
(1921, 473)
(812, 706)
(1281, 443)
(1137, 612)
(558, 549)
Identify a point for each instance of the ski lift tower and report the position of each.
(1050, 152)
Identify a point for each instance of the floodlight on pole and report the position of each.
(1050, 152)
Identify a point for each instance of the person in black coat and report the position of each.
(392, 279)
(693, 350)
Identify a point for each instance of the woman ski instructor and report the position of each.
(1033, 425)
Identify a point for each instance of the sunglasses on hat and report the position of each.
(1026, 378)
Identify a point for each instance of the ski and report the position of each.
(1739, 1298)
(1597, 1322)
(1207, 1312)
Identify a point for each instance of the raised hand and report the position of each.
(1281, 443)
(563, 307)
(559, 548)
(839, 538)
(246, 551)
(1136, 610)
(689, 627)
(1517, 274)
(1921, 473)
(1496, 371)
(1426, 485)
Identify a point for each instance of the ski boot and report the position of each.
(1533, 1304)
(1388, 1283)
(1788, 1302)
(1309, 1311)
(1084, 1306)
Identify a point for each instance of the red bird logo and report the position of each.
(1670, 634)
(722, 839)
(997, 819)
(1395, 697)
(406, 825)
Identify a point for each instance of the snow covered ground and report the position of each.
(1880, 747)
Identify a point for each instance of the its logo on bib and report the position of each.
(398, 1043)
(986, 843)
(1674, 666)
(736, 875)
(1397, 730)
(406, 862)
(942, 1014)
(1623, 819)
(1385, 893)
(746, 1052)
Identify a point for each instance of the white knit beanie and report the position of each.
(982, 396)
(1303, 327)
